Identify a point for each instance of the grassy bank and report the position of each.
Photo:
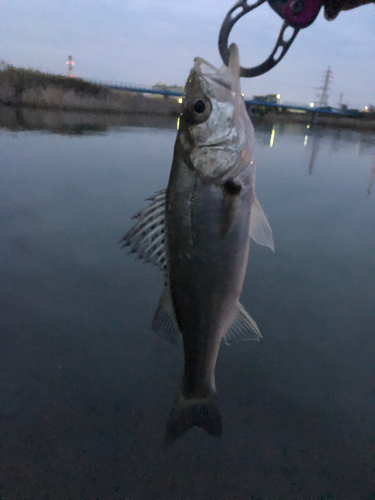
(34, 89)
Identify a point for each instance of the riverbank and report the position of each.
(37, 90)
(27, 89)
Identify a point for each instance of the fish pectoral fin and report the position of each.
(147, 236)
(242, 328)
(164, 320)
(228, 210)
(260, 230)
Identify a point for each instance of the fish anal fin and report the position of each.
(260, 230)
(242, 328)
(164, 320)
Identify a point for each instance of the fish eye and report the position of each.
(199, 106)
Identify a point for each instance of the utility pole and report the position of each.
(340, 100)
(70, 64)
(323, 96)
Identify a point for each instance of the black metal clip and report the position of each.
(296, 14)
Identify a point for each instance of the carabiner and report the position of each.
(296, 14)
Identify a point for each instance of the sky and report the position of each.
(143, 42)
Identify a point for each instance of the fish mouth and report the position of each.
(227, 77)
(219, 144)
(210, 74)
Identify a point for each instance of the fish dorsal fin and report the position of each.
(147, 236)
(164, 320)
(242, 328)
(260, 230)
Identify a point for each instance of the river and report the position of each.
(87, 386)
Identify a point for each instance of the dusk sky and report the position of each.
(144, 42)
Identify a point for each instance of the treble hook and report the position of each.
(296, 14)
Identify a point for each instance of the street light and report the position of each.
(312, 104)
(278, 96)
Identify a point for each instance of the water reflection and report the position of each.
(76, 123)
(363, 142)
(372, 177)
(85, 384)
(268, 133)
(272, 136)
(314, 139)
(315, 148)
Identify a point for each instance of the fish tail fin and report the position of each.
(187, 413)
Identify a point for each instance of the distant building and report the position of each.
(275, 98)
(170, 88)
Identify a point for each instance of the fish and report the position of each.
(198, 232)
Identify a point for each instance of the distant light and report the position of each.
(272, 136)
(366, 108)
(312, 104)
(71, 76)
(306, 139)
(243, 95)
(307, 126)
(180, 100)
(278, 96)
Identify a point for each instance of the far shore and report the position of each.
(26, 89)
(36, 90)
(144, 105)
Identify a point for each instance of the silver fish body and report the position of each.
(206, 261)
(206, 269)
(199, 232)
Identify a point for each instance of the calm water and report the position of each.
(86, 386)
